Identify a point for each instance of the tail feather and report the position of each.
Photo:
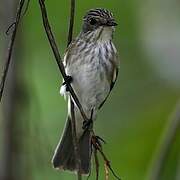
(85, 152)
(64, 156)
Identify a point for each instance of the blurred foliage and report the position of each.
(135, 115)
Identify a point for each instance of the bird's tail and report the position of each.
(64, 156)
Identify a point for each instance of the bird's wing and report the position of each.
(114, 75)
(68, 53)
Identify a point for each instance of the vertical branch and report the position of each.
(97, 145)
(62, 70)
(12, 127)
(58, 57)
(75, 141)
(10, 49)
(96, 163)
(165, 146)
(73, 118)
(106, 171)
(71, 22)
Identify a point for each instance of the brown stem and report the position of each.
(62, 70)
(106, 172)
(58, 57)
(96, 164)
(71, 22)
(10, 49)
(26, 7)
(98, 147)
(73, 118)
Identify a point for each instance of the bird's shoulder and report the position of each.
(71, 50)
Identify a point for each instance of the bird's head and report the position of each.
(99, 21)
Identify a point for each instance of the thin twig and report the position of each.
(169, 136)
(97, 145)
(10, 49)
(71, 22)
(73, 118)
(96, 163)
(106, 171)
(9, 28)
(62, 70)
(75, 141)
(26, 8)
(58, 57)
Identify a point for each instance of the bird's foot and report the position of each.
(100, 139)
(87, 124)
(67, 81)
(97, 141)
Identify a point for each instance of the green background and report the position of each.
(133, 119)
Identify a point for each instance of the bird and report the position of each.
(91, 63)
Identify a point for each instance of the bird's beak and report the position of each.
(111, 23)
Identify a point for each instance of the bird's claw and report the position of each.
(100, 139)
(68, 80)
(97, 141)
(87, 124)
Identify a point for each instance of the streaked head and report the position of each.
(98, 18)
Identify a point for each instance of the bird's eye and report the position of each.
(93, 21)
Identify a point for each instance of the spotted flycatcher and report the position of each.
(91, 61)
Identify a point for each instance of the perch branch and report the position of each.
(58, 57)
(62, 70)
(96, 163)
(73, 118)
(166, 144)
(106, 172)
(71, 22)
(10, 48)
(97, 145)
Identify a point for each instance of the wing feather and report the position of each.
(113, 79)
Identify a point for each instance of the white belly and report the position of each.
(89, 82)
(89, 72)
